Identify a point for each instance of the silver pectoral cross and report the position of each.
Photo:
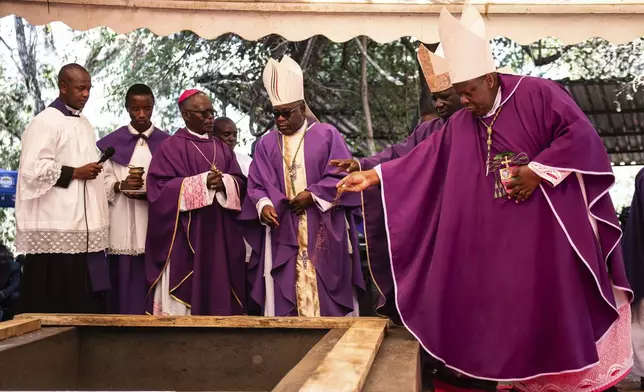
(292, 171)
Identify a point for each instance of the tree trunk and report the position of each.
(27, 55)
(371, 146)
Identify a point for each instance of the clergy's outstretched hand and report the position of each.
(524, 181)
(301, 202)
(214, 182)
(345, 165)
(359, 181)
(87, 172)
(269, 216)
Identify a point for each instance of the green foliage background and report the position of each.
(230, 68)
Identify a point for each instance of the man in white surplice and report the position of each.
(61, 206)
(125, 174)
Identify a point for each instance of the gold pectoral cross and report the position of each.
(502, 165)
(507, 160)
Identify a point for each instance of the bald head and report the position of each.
(74, 85)
(198, 113)
(226, 130)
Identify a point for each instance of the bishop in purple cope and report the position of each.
(503, 238)
(305, 261)
(515, 287)
(194, 254)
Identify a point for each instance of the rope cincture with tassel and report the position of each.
(322, 235)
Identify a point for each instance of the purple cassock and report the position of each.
(339, 275)
(374, 220)
(203, 246)
(495, 289)
(129, 285)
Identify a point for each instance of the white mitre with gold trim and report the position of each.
(465, 44)
(435, 68)
(505, 71)
(284, 81)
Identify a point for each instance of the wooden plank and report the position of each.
(301, 372)
(111, 320)
(397, 365)
(346, 367)
(13, 328)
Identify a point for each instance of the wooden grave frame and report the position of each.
(340, 361)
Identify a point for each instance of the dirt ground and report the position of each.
(631, 383)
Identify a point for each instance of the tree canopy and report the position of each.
(231, 67)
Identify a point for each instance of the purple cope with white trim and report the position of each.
(495, 289)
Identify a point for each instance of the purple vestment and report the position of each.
(338, 273)
(124, 143)
(203, 246)
(499, 290)
(129, 285)
(420, 133)
(374, 221)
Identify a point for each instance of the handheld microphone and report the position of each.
(107, 154)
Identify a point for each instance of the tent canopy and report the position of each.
(340, 20)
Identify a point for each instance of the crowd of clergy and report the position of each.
(490, 232)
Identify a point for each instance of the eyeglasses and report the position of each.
(284, 113)
(204, 113)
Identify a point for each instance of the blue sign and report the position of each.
(8, 181)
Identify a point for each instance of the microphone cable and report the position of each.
(85, 213)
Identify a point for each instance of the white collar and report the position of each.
(73, 111)
(200, 136)
(497, 103)
(135, 132)
(303, 127)
(299, 131)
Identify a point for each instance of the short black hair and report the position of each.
(63, 74)
(138, 89)
(222, 120)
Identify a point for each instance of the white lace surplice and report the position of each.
(51, 219)
(128, 217)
